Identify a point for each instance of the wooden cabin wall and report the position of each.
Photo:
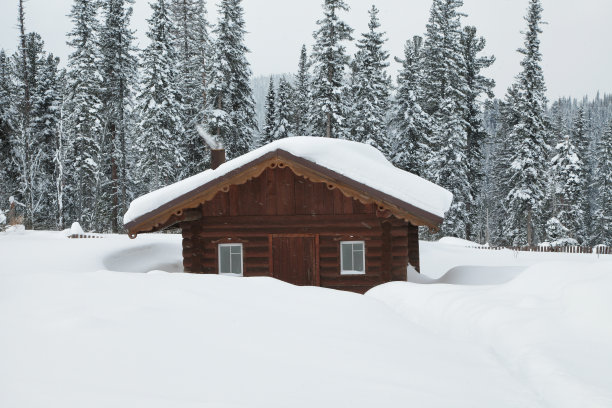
(282, 203)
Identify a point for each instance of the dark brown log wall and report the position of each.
(280, 203)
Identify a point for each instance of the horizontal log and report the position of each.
(311, 230)
(292, 219)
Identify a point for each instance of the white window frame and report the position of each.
(230, 268)
(352, 272)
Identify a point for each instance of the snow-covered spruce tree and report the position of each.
(569, 174)
(47, 97)
(191, 42)
(283, 111)
(603, 184)
(118, 69)
(268, 130)
(409, 121)
(32, 144)
(60, 157)
(477, 85)
(84, 121)
(158, 142)
(444, 100)
(8, 174)
(22, 146)
(582, 143)
(370, 89)
(528, 141)
(231, 109)
(301, 96)
(329, 60)
(501, 157)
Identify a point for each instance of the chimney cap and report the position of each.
(210, 140)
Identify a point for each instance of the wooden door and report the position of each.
(294, 259)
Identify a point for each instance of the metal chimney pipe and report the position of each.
(217, 158)
(217, 152)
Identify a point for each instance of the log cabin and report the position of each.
(305, 210)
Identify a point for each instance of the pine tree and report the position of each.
(283, 112)
(410, 121)
(444, 100)
(569, 174)
(191, 42)
(118, 69)
(603, 184)
(231, 109)
(84, 107)
(583, 149)
(477, 85)
(158, 142)
(46, 99)
(329, 62)
(8, 174)
(301, 97)
(528, 145)
(370, 89)
(22, 146)
(268, 131)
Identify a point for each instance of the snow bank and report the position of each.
(80, 336)
(550, 326)
(102, 339)
(439, 258)
(54, 253)
(458, 242)
(358, 161)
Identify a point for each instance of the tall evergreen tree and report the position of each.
(569, 174)
(32, 143)
(268, 131)
(411, 123)
(283, 111)
(370, 89)
(329, 62)
(231, 109)
(84, 107)
(118, 68)
(301, 96)
(603, 183)
(582, 143)
(191, 42)
(8, 174)
(476, 85)
(528, 144)
(47, 97)
(444, 100)
(158, 142)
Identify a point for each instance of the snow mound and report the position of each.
(480, 275)
(105, 339)
(459, 242)
(75, 229)
(357, 161)
(550, 326)
(156, 256)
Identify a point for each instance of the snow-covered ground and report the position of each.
(78, 329)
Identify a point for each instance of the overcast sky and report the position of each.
(576, 43)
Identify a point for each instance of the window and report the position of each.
(352, 257)
(230, 259)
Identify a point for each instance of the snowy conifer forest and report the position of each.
(79, 139)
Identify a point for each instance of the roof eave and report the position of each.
(144, 222)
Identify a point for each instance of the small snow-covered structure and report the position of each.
(306, 210)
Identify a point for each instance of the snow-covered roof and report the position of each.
(361, 163)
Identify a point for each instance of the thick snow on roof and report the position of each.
(357, 161)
